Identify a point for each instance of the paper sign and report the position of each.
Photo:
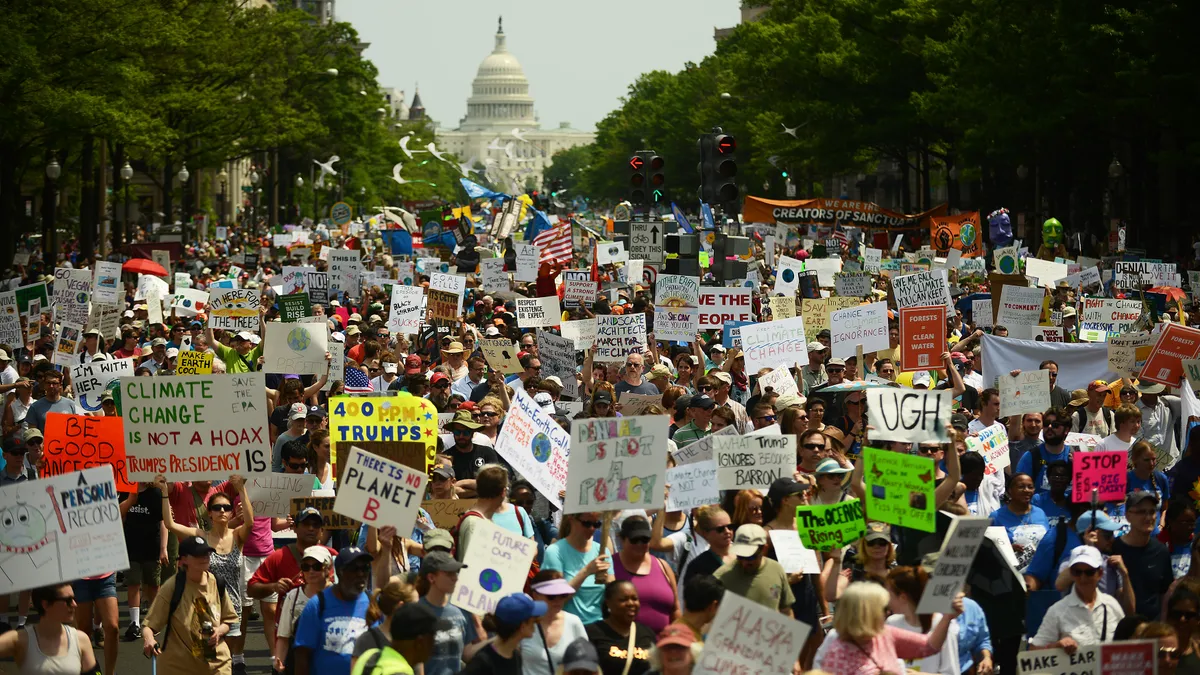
(636, 404)
(496, 565)
(816, 311)
(1106, 470)
(558, 359)
(787, 276)
(527, 261)
(72, 293)
(440, 306)
(501, 355)
(775, 343)
(749, 462)
(378, 491)
(538, 312)
(91, 379)
(295, 348)
(825, 527)
(619, 335)
(493, 277)
(1175, 343)
(782, 307)
(535, 446)
(1191, 369)
(955, 558)
(447, 512)
(578, 288)
(676, 302)
(78, 442)
(61, 529)
(294, 307)
(923, 289)
(1026, 393)
(825, 268)
(345, 270)
(1020, 309)
(692, 486)
(271, 494)
(404, 317)
(1048, 334)
(610, 252)
(915, 416)
(189, 302)
(617, 463)
(106, 284)
(404, 419)
(746, 637)
(68, 340)
(865, 325)
(10, 320)
(852, 284)
(791, 553)
(1076, 439)
(718, 305)
(993, 445)
(780, 381)
(1128, 353)
(922, 337)
(981, 312)
(582, 332)
(701, 450)
(1102, 318)
(194, 363)
(195, 427)
(234, 309)
(900, 488)
(872, 259)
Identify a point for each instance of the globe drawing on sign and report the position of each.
(789, 275)
(298, 339)
(967, 234)
(541, 448)
(82, 298)
(490, 581)
(1007, 264)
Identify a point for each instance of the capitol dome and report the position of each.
(500, 92)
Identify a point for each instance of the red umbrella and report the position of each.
(144, 266)
(1169, 291)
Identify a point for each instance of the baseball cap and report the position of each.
(353, 330)
(316, 411)
(830, 466)
(444, 470)
(718, 347)
(783, 487)
(676, 634)
(723, 377)
(1103, 522)
(602, 396)
(959, 421)
(243, 335)
(836, 362)
(438, 377)
(349, 555)
(815, 346)
(298, 411)
(30, 434)
(389, 367)
(921, 379)
(635, 527)
(517, 608)
(1097, 385)
(356, 317)
(412, 364)
(581, 655)
(172, 352)
(158, 342)
(876, 531)
(492, 331)
(545, 402)
(703, 401)
(440, 561)
(318, 553)
(195, 546)
(748, 539)
(107, 397)
(658, 371)
(414, 619)
(1137, 497)
(1068, 311)
(1086, 555)
(438, 538)
(310, 512)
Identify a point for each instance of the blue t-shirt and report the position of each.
(562, 556)
(1026, 531)
(331, 637)
(1054, 512)
(1044, 567)
(448, 644)
(1040, 482)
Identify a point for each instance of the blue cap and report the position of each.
(1103, 522)
(518, 608)
(349, 555)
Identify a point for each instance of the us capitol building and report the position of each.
(499, 103)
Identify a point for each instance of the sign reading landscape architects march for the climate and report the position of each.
(72, 293)
(233, 309)
(538, 312)
(91, 379)
(746, 637)
(865, 325)
(404, 317)
(900, 488)
(718, 305)
(195, 427)
(496, 564)
(922, 289)
(619, 335)
(775, 343)
(535, 446)
(378, 491)
(750, 462)
(617, 463)
(345, 270)
(676, 307)
(911, 415)
(395, 419)
(825, 527)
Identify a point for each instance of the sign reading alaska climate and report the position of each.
(195, 427)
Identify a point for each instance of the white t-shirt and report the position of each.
(290, 609)
(1111, 442)
(945, 661)
(8, 375)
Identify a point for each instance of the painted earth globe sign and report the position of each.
(298, 339)
(490, 581)
(541, 448)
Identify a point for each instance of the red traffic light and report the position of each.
(657, 163)
(636, 163)
(725, 144)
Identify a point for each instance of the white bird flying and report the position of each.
(772, 160)
(792, 130)
(432, 148)
(495, 144)
(396, 173)
(327, 166)
(516, 133)
(404, 147)
(508, 149)
(469, 166)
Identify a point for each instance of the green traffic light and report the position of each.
(785, 174)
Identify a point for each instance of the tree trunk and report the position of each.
(905, 191)
(87, 199)
(168, 193)
(119, 206)
(10, 193)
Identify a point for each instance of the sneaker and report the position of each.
(134, 632)
(239, 669)
(97, 637)
(253, 613)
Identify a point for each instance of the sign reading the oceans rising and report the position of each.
(824, 527)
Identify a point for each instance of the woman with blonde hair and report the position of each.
(868, 560)
(319, 464)
(1169, 652)
(316, 571)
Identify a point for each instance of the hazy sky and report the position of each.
(580, 55)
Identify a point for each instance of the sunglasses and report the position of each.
(721, 528)
(312, 567)
(704, 387)
(591, 523)
(878, 542)
(638, 541)
(1170, 653)
(1183, 615)
(814, 446)
(1084, 572)
(768, 418)
(463, 432)
(221, 507)
(69, 600)
(441, 385)
(297, 467)
(489, 414)
(1055, 423)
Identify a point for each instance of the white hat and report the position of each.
(245, 335)
(298, 411)
(172, 353)
(492, 331)
(390, 367)
(101, 356)
(554, 379)
(1086, 555)
(545, 401)
(254, 339)
(921, 379)
(4, 356)
(319, 553)
(717, 347)
(339, 336)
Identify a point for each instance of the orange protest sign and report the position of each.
(1174, 344)
(959, 231)
(78, 442)
(922, 337)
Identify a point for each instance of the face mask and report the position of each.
(1052, 232)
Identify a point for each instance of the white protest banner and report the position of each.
(981, 312)
(496, 565)
(749, 462)
(492, 275)
(617, 463)
(538, 312)
(825, 268)
(676, 302)
(701, 450)
(634, 270)
(68, 340)
(579, 288)
(378, 491)
(1047, 272)
(106, 319)
(182, 280)
(558, 358)
(271, 494)
(957, 554)
(501, 355)
(91, 379)
(692, 486)
(72, 293)
(61, 529)
(345, 270)
(1048, 334)
(852, 284)
(779, 380)
(295, 348)
(865, 325)
(912, 415)
(746, 637)
(773, 344)
(1078, 363)
(405, 313)
(787, 276)
(106, 284)
(582, 332)
(188, 302)
(10, 320)
(1028, 392)
(1019, 311)
(1102, 318)
(609, 252)
(535, 446)
(791, 553)
(195, 427)
(619, 335)
(149, 284)
(234, 309)
(718, 305)
(872, 260)
(1054, 661)
(527, 261)
(923, 289)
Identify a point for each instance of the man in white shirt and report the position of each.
(1084, 617)
(1160, 415)
(8, 374)
(1129, 423)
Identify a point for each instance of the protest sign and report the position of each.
(538, 312)
(582, 332)
(1175, 343)
(816, 311)
(234, 309)
(496, 564)
(403, 453)
(610, 252)
(378, 491)
(787, 276)
(296, 348)
(782, 307)
(104, 318)
(72, 293)
(501, 355)
(1077, 439)
(1028, 392)
(31, 292)
(61, 529)
(792, 554)
(912, 415)
(188, 302)
(746, 637)
(106, 284)
(322, 500)
(441, 306)
(1020, 309)
(1102, 318)
(1046, 271)
(10, 320)
(864, 325)
(852, 284)
(617, 463)
(900, 488)
(492, 275)
(773, 344)
(403, 419)
(922, 289)
(91, 379)
(1191, 370)
(1130, 657)
(527, 261)
(535, 446)
(872, 260)
(636, 404)
(193, 363)
(446, 512)
(780, 380)
(68, 340)
(701, 450)
(317, 284)
(731, 333)
(294, 307)
(619, 335)
(922, 337)
(405, 315)
(718, 305)
(993, 445)
(295, 279)
(825, 527)
(825, 269)
(1055, 661)
(676, 307)
(271, 494)
(981, 312)
(154, 308)
(692, 486)
(962, 542)
(345, 268)
(1048, 334)
(749, 462)
(1128, 353)
(337, 363)
(78, 442)
(195, 427)
(579, 289)
(1105, 470)
(1078, 363)
(558, 358)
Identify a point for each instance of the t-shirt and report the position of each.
(36, 417)
(467, 464)
(562, 556)
(143, 536)
(185, 643)
(390, 662)
(448, 644)
(488, 661)
(372, 638)
(261, 541)
(331, 636)
(1150, 573)
(612, 648)
(533, 649)
(290, 609)
(235, 362)
(644, 388)
(1024, 530)
(768, 586)
(946, 661)
(1112, 442)
(277, 450)
(281, 564)
(1040, 482)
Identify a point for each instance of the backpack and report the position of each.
(289, 665)
(534, 567)
(177, 597)
(1079, 417)
(1038, 462)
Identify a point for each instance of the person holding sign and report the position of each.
(906, 586)
(1086, 616)
(622, 643)
(577, 556)
(651, 576)
(1025, 523)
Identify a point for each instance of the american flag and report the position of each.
(839, 233)
(555, 244)
(357, 382)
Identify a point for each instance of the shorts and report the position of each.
(143, 573)
(250, 565)
(235, 629)
(90, 590)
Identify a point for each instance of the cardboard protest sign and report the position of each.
(1019, 310)
(10, 320)
(636, 404)
(617, 463)
(493, 277)
(91, 379)
(1055, 661)
(923, 289)
(527, 261)
(1164, 364)
(535, 446)
(582, 332)
(782, 307)
(194, 363)
(852, 284)
(610, 252)
(68, 340)
(912, 415)
(865, 325)
(72, 293)
(792, 554)
(195, 427)
(981, 312)
(378, 491)
(773, 344)
(816, 311)
(405, 419)
(692, 486)
(538, 312)
(825, 269)
(234, 309)
(676, 307)
(749, 462)
(1103, 318)
(619, 335)
(501, 355)
(780, 380)
(322, 500)
(60, 529)
(294, 307)
(900, 488)
(78, 442)
(922, 337)
(558, 358)
(1105, 470)
(295, 348)
(825, 527)
(1027, 392)
(701, 450)
(1128, 353)
(786, 276)
(271, 494)
(955, 558)
(441, 306)
(106, 284)
(496, 565)
(993, 445)
(746, 637)
(345, 269)
(718, 305)
(446, 512)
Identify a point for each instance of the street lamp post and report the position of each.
(224, 178)
(185, 220)
(299, 209)
(126, 176)
(49, 208)
(254, 178)
(362, 196)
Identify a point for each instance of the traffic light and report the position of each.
(718, 168)
(657, 178)
(637, 180)
(726, 250)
